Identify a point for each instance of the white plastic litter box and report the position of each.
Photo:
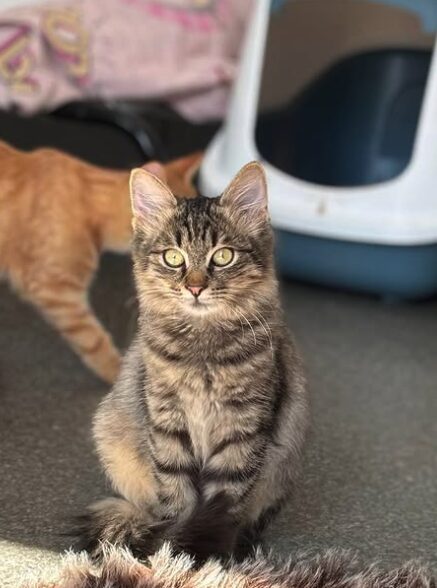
(378, 237)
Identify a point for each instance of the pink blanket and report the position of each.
(184, 52)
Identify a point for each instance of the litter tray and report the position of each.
(351, 167)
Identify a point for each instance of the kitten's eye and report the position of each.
(223, 256)
(173, 258)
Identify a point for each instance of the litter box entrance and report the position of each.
(342, 110)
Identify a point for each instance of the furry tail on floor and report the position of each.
(209, 530)
(117, 522)
(333, 569)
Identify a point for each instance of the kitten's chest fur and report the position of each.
(203, 412)
(205, 395)
(201, 398)
(192, 399)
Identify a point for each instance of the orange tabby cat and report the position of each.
(57, 214)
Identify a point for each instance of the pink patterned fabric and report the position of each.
(184, 52)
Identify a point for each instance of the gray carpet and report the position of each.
(370, 481)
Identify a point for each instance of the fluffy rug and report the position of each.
(333, 569)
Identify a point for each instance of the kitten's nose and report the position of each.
(195, 282)
(195, 290)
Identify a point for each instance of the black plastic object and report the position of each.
(120, 115)
(158, 131)
(111, 134)
(99, 143)
(355, 125)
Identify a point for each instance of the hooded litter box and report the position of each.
(351, 165)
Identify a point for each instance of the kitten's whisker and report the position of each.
(184, 329)
(241, 323)
(162, 292)
(262, 321)
(248, 322)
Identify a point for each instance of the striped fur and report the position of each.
(57, 214)
(332, 569)
(205, 426)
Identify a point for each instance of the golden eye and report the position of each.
(223, 256)
(173, 258)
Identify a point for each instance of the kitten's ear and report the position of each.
(152, 201)
(246, 196)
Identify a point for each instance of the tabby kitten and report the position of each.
(57, 215)
(202, 434)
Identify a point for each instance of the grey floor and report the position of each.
(370, 480)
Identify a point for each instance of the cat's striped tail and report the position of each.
(117, 522)
(208, 531)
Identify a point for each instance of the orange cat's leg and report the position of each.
(65, 305)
